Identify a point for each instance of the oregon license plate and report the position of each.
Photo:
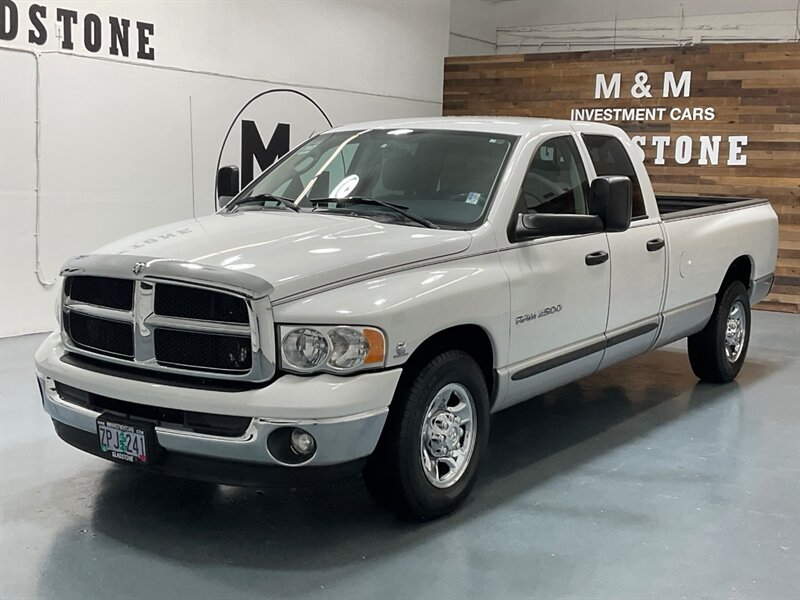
(123, 440)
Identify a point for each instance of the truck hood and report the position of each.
(295, 252)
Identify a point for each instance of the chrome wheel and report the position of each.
(448, 435)
(735, 330)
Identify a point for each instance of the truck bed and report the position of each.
(674, 207)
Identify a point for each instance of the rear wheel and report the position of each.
(717, 352)
(427, 459)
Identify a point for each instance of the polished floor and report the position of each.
(635, 483)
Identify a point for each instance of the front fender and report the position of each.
(413, 304)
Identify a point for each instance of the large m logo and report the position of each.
(253, 148)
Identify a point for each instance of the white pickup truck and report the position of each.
(370, 299)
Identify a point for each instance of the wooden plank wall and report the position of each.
(753, 88)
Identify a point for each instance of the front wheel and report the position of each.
(717, 352)
(438, 427)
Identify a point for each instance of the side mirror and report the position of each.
(611, 199)
(544, 225)
(227, 185)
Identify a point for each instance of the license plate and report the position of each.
(123, 441)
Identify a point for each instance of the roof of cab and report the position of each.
(501, 125)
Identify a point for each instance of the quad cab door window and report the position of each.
(609, 157)
(556, 180)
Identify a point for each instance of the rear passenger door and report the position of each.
(638, 259)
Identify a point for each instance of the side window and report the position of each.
(556, 180)
(609, 157)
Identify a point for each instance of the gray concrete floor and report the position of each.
(635, 483)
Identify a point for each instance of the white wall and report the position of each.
(119, 149)
(473, 27)
(564, 25)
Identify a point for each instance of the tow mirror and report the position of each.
(227, 185)
(544, 225)
(611, 199)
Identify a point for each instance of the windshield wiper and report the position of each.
(288, 203)
(397, 208)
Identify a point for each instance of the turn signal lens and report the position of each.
(377, 346)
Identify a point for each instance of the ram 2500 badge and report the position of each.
(369, 300)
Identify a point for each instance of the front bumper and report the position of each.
(361, 401)
(216, 470)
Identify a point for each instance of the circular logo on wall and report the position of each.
(267, 127)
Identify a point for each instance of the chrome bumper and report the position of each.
(339, 440)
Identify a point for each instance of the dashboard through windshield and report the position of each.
(441, 176)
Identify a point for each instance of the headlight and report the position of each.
(305, 348)
(337, 349)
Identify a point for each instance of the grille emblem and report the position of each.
(137, 268)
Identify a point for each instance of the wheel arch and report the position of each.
(470, 338)
(741, 269)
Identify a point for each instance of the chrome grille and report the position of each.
(203, 350)
(197, 303)
(102, 291)
(207, 321)
(100, 335)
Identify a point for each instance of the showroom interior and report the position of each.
(669, 474)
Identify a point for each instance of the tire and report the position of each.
(426, 404)
(714, 359)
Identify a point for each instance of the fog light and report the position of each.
(302, 442)
(291, 445)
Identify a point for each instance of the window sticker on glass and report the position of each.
(547, 153)
(473, 197)
(345, 187)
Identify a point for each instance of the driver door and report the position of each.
(559, 285)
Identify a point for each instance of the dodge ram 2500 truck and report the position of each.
(369, 300)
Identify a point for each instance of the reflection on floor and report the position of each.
(637, 482)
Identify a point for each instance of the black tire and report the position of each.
(394, 474)
(707, 348)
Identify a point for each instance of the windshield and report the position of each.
(443, 177)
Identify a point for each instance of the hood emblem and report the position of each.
(137, 268)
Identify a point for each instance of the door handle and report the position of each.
(656, 244)
(596, 258)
